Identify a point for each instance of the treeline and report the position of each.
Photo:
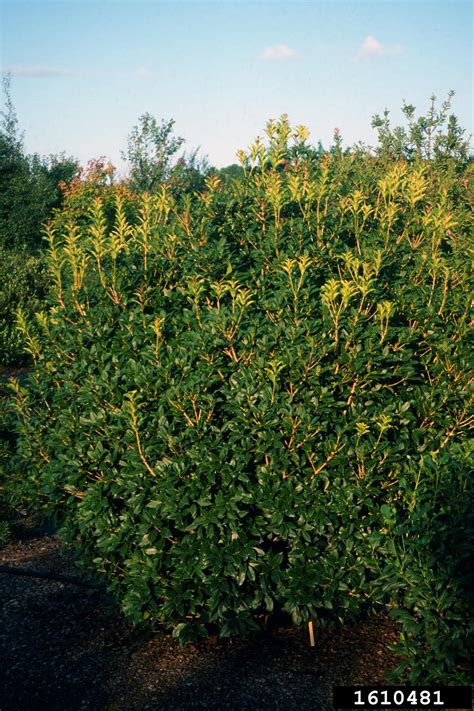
(32, 187)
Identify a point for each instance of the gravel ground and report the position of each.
(66, 647)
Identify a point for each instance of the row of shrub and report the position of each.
(256, 398)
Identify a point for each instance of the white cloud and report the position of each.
(371, 47)
(279, 51)
(144, 72)
(36, 71)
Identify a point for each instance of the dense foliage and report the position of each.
(7, 447)
(29, 184)
(257, 398)
(24, 283)
(29, 193)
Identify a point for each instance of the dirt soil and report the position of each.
(66, 647)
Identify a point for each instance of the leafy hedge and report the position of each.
(7, 446)
(258, 399)
(23, 284)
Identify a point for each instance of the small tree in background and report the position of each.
(29, 184)
(150, 152)
(29, 192)
(152, 156)
(436, 135)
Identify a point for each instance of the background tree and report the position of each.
(436, 135)
(29, 193)
(189, 173)
(29, 184)
(230, 172)
(150, 152)
(152, 157)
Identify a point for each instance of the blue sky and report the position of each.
(82, 71)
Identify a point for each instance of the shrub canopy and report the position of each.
(257, 398)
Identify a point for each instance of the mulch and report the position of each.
(64, 647)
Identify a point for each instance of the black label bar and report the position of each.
(402, 697)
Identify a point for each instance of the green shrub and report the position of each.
(257, 400)
(7, 446)
(23, 284)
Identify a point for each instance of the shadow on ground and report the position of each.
(67, 648)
